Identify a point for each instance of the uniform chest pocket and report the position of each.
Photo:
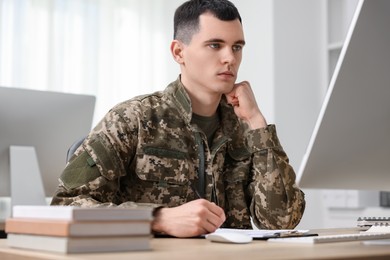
(163, 176)
(164, 165)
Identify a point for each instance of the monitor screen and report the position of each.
(48, 121)
(350, 144)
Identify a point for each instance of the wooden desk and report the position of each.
(201, 249)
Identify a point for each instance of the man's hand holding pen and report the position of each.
(194, 218)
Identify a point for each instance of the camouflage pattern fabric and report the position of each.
(145, 152)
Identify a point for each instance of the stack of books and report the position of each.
(68, 229)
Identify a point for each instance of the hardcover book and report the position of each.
(79, 244)
(65, 228)
(82, 213)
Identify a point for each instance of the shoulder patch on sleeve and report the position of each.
(79, 172)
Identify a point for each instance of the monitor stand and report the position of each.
(26, 181)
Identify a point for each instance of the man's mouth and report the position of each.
(226, 74)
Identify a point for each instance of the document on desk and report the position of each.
(378, 228)
(263, 234)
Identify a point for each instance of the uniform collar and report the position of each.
(182, 101)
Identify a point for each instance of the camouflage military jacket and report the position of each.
(145, 151)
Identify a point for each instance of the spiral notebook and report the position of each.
(372, 221)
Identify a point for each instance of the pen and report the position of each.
(289, 233)
(294, 233)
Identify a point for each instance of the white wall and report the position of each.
(257, 65)
(172, 68)
(300, 49)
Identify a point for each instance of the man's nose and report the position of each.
(228, 56)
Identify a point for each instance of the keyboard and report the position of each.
(332, 238)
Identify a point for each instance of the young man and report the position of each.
(200, 152)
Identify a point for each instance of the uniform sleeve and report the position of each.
(276, 202)
(92, 176)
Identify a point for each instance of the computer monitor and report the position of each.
(47, 121)
(350, 144)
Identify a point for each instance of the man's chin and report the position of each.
(229, 88)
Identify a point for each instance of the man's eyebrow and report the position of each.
(241, 42)
(216, 40)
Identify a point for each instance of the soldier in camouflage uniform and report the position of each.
(200, 152)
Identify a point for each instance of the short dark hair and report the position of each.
(186, 19)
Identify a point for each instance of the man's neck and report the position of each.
(203, 107)
(203, 103)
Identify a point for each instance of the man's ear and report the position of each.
(177, 51)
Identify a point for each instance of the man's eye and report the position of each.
(237, 48)
(214, 45)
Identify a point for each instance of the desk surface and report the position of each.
(200, 249)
